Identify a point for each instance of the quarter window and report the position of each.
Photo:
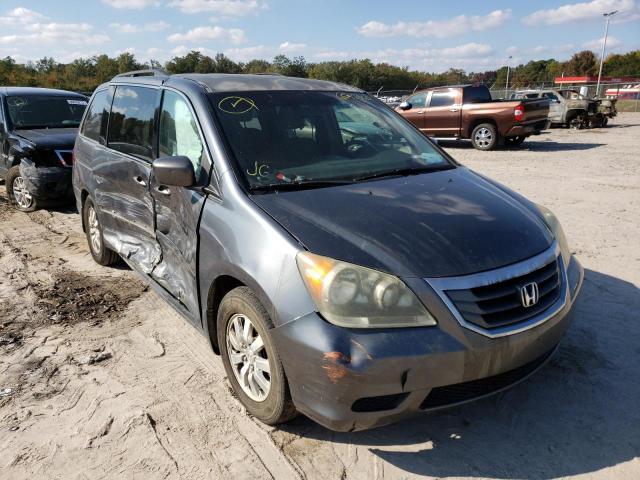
(95, 123)
(132, 120)
(179, 133)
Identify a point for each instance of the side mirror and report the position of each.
(404, 106)
(174, 171)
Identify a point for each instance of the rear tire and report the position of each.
(249, 356)
(18, 193)
(485, 136)
(100, 253)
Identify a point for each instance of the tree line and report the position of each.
(85, 74)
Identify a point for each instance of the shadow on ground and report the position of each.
(577, 415)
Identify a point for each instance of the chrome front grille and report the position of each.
(490, 302)
(499, 304)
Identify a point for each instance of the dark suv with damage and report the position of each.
(342, 264)
(38, 128)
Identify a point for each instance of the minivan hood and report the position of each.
(58, 138)
(438, 224)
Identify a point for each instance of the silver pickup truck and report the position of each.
(570, 108)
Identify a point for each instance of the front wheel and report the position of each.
(250, 357)
(18, 192)
(484, 136)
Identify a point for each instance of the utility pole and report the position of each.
(506, 86)
(604, 45)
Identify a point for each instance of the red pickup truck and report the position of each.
(468, 111)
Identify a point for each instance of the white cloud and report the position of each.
(288, 47)
(245, 54)
(596, 43)
(436, 28)
(198, 34)
(229, 8)
(468, 50)
(20, 16)
(331, 55)
(575, 12)
(75, 33)
(130, 4)
(137, 28)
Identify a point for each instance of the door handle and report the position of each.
(140, 181)
(163, 189)
(420, 111)
(453, 109)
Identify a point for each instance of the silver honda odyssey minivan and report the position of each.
(342, 264)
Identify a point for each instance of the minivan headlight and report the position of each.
(556, 229)
(352, 296)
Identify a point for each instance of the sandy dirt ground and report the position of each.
(101, 380)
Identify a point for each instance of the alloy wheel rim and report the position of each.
(483, 137)
(248, 358)
(21, 194)
(94, 231)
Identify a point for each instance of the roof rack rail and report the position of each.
(154, 72)
(269, 73)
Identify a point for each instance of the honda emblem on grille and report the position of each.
(529, 294)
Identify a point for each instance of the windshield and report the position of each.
(45, 111)
(303, 137)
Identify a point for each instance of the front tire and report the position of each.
(250, 357)
(485, 136)
(19, 195)
(100, 253)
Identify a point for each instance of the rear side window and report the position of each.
(479, 94)
(131, 125)
(442, 98)
(179, 134)
(95, 123)
(551, 96)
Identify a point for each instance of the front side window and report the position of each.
(303, 137)
(551, 96)
(442, 98)
(45, 111)
(95, 122)
(418, 100)
(132, 120)
(179, 133)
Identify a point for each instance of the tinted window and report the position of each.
(45, 111)
(131, 124)
(551, 96)
(443, 98)
(179, 133)
(479, 94)
(95, 123)
(418, 100)
(285, 137)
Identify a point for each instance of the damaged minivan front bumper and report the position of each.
(354, 379)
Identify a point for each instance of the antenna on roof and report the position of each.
(153, 72)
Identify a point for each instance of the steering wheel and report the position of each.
(360, 147)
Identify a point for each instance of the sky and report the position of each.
(419, 34)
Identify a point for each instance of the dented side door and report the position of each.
(177, 209)
(122, 174)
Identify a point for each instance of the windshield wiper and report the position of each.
(404, 172)
(303, 185)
